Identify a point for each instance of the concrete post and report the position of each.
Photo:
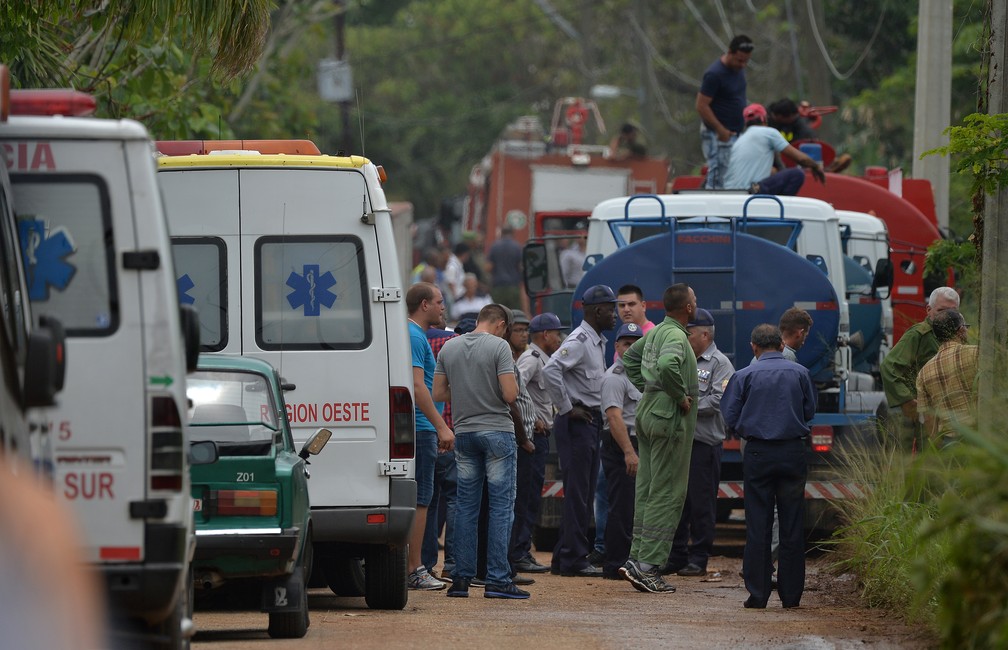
(933, 102)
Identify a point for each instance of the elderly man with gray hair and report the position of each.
(900, 367)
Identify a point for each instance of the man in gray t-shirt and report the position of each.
(475, 372)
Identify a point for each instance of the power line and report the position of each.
(703, 23)
(822, 46)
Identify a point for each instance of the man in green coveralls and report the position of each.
(663, 367)
(900, 367)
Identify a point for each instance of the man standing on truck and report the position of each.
(663, 366)
(574, 381)
(752, 159)
(475, 372)
(426, 308)
(720, 102)
(770, 405)
(545, 331)
(700, 510)
(900, 367)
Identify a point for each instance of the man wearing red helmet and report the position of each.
(752, 158)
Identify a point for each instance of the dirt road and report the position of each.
(582, 614)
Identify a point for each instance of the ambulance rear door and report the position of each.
(311, 309)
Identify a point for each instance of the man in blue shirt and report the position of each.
(426, 308)
(770, 404)
(720, 102)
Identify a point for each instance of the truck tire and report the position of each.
(344, 575)
(385, 577)
(545, 538)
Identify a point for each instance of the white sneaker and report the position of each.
(422, 580)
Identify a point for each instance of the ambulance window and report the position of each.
(65, 229)
(201, 278)
(311, 293)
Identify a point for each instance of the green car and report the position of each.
(253, 522)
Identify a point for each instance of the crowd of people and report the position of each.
(650, 423)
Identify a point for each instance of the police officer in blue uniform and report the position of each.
(573, 377)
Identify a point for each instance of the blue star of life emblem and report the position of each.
(310, 290)
(44, 256)
(184, 284)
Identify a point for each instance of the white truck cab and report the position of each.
(289, 257)
(98, 259)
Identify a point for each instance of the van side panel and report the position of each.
(75, 228)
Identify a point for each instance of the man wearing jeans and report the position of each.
(720, 102)
(476, 373)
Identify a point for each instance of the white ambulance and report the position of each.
(31, 358)
(289, 256)
(98, 259)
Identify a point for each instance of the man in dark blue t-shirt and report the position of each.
(720, 102)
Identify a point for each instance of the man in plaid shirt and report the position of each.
(946, 385)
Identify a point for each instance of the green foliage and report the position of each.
(962, 257)
(971, 519)
(980, 149)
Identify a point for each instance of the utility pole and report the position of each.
(994, 269)
(933, 102)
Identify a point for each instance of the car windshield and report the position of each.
(231, 407)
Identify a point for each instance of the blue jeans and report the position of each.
(489, 456)
(717, 154)
(441, 512)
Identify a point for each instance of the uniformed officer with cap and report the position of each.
(619, 453)
(545, 334)
(574, 381)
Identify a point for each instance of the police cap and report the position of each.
(520, 317)
(701, 318)
(629, 330)
(598, 295)
(545, 322)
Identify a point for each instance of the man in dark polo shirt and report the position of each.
(770, 404)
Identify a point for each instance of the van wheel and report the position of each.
(385, 577)
(175, 632)
(345, 576)
(291, 625)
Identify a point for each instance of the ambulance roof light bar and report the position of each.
(48, 102)
(205, 147)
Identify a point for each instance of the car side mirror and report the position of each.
(45, 367)
(883, 275)
(315, 444)
(204, 452)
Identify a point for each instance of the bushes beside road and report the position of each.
(930, 541)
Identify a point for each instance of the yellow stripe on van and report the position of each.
(269, 160)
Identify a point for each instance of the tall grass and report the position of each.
(930, 539)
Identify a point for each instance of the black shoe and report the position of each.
(752, 603)
(587, 572)
(611, 575)
(459, 588)
(477, 582)
(691, 570)
(595, 558)
(505, 591)
(649, 581)
(669, 568)
(528, 565)
(519, 579)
